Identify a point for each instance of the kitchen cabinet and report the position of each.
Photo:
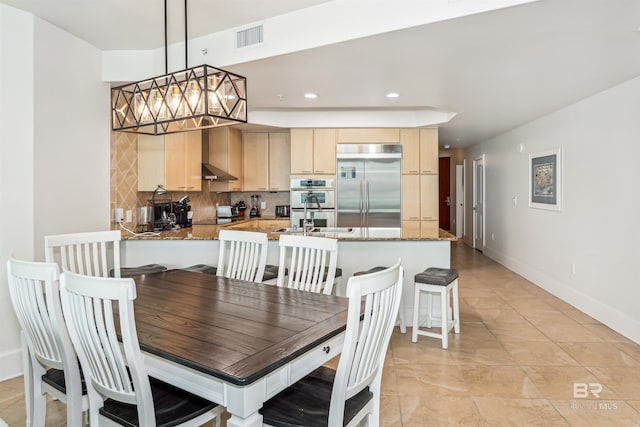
(266, 161)
(369, 136)
(225, 152)
(279, 161)
(255, 146)
(183, 161)
(410, 140)
(313, 151)
(419, 151)
(429, 150)
(419, 182)
(150, 162)
(419, 206)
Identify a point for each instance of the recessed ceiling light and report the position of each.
(311, 95)
(393, 95)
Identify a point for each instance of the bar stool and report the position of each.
(440, 281)
(403, 324)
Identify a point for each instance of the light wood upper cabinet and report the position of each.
(183, 161)
(279, 161)
(150, 162)
(429, 150)
(324, 151)
(313, 151)
(255, 146)
(410, 140)
(369, 136)
(225, 152)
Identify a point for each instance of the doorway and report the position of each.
(478, 203)
(444, 191)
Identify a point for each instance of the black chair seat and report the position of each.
(55, 378)
(126, 272)
(271, 272)
(202, 268)
(369, 271)
(173, 406)
(306, 403)
(437, 276)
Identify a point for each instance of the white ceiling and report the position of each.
(495, 70)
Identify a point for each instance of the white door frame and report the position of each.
(460, 222)
(478, 203)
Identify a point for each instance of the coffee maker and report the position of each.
(255, 205)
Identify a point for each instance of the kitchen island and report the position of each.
(358, 250)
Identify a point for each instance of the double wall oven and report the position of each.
(314, 192)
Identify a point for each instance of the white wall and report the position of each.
(54, 148)
(72, 136)
(16, 167)
(597, 227)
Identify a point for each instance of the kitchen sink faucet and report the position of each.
(308, 222)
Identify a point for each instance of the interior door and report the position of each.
(478, 203)
(444, 191)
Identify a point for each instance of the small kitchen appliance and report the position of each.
(255, 205)
(283, 211)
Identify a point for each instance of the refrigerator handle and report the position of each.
(361, 204)
(366, 189)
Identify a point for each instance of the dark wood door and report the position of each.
(444, 190)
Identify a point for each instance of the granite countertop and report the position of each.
(209, 231)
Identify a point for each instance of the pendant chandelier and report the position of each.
(194, 98)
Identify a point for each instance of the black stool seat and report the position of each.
(437, 276)
(369, 271)
(202, 268)
(172, 405)
(126, 272)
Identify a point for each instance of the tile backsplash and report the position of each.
(125, 195)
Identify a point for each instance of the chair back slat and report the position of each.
(243, 255)
(310, 262)
(91, 254)
(374, 298)
(34, 289)
(115, 370)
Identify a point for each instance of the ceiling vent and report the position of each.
(249, 37)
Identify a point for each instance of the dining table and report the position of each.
(234, 342)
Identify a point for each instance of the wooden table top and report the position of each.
(231, 329)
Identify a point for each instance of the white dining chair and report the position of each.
(50, 363)
(350, 395)
(307, 263)
(243, 255)
(119, 388)
(94, 253)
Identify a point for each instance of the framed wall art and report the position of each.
(545, 183)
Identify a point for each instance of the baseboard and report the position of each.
(10, 364)
(610, 316)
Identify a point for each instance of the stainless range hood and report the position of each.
(212, 173)
(209, 171)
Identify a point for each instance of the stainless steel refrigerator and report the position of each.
(368, 189)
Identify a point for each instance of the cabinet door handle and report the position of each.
(413, 171)
(319, 171)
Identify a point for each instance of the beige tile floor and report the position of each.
(515, 363)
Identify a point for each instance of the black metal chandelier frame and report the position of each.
(194, 98)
